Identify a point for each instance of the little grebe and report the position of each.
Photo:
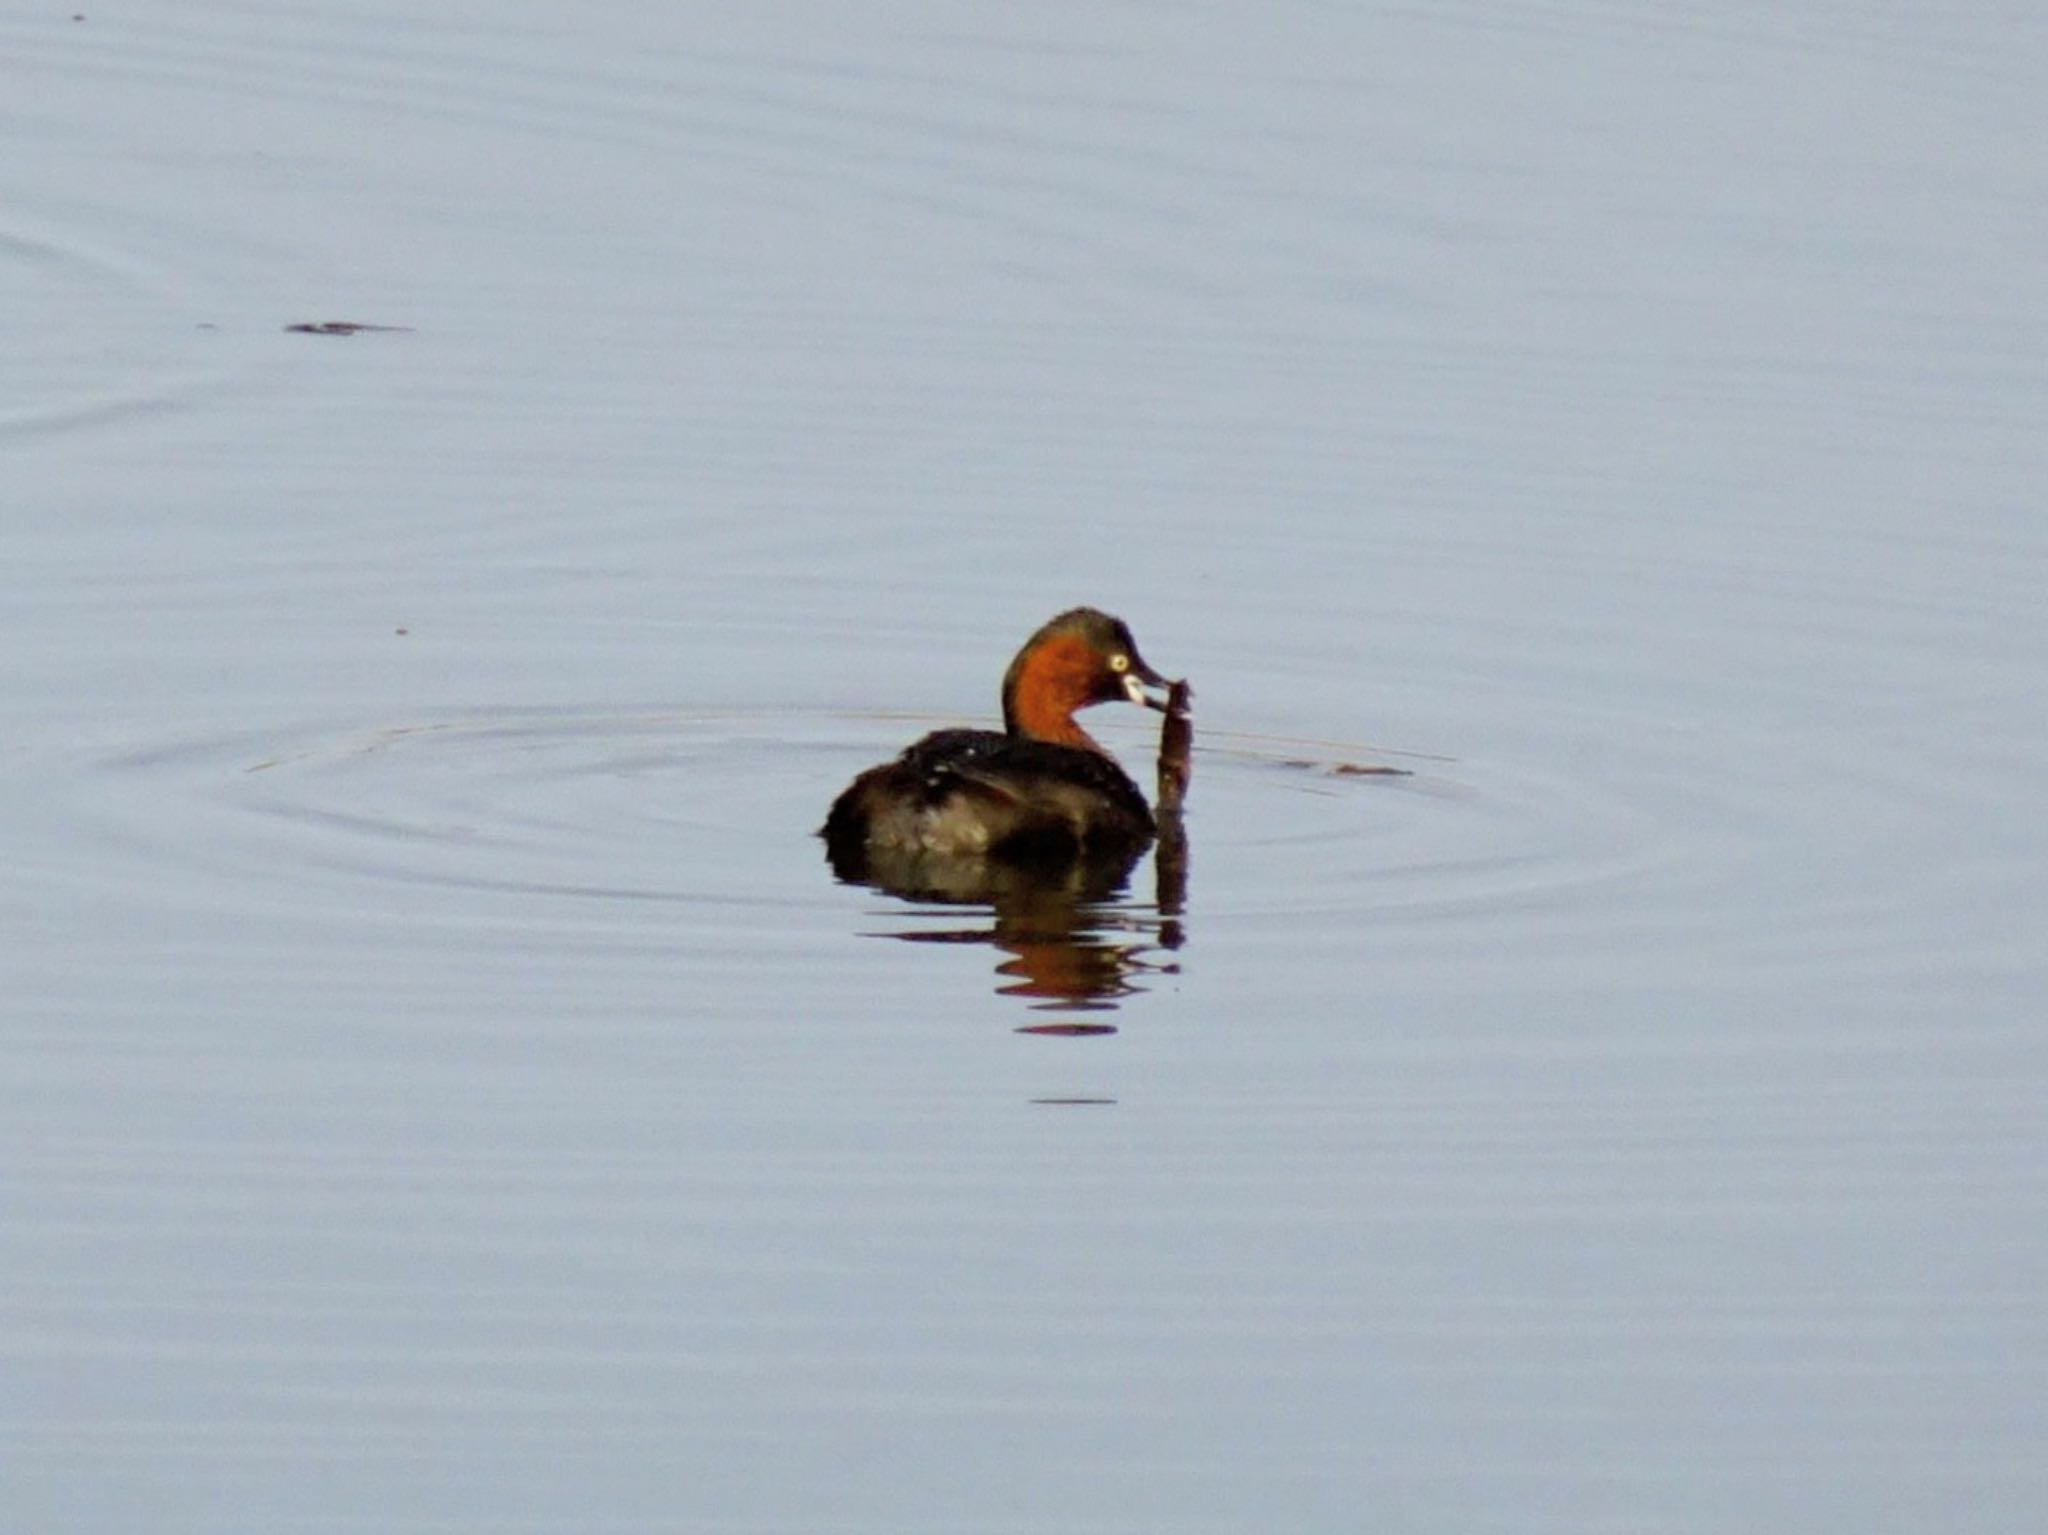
(1041, 787)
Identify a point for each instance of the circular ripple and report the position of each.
(110, 341)
(1644, 850)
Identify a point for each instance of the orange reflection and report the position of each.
(1069, 939)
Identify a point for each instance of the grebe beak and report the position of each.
(1138, 682)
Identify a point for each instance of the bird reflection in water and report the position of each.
(1071, 940)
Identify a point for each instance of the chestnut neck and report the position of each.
(1045, 685)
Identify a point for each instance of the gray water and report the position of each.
(444, 1088)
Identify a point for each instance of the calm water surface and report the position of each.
(445, 1090)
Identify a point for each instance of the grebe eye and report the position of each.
(1119, 663)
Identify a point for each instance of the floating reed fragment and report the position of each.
(1176, 746)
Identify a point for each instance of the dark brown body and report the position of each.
(979, 792)
(1039, 789)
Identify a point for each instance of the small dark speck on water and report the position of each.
(341, 328)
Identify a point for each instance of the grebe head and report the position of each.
(1080, 658)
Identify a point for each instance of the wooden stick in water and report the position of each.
(1170, 865)
(1176, 744)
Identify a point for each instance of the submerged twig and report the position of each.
(1176, 746)
(1170, 865)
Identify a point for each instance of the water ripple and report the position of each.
(1652, 852)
